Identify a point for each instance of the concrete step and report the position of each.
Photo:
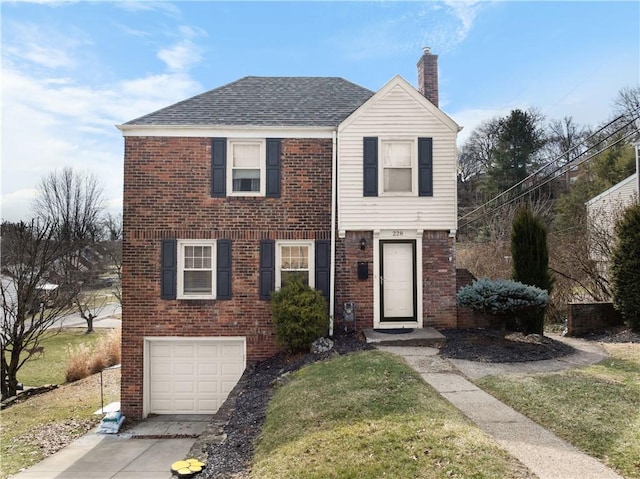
(418, 337)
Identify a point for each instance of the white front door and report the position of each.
(397, 281)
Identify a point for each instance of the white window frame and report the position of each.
(414, 166)
(263, 166)
(312, 266)
(180, 271)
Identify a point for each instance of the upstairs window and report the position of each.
(247, 167)
(397, 164)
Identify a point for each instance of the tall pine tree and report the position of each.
(530, 260)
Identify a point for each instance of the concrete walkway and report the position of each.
(545, 454)
(145, 451)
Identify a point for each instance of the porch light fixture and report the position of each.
(363, 243)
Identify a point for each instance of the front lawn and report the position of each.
(50, 367)
(368, 414)
(597, 408)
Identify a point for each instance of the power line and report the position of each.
(539, 182)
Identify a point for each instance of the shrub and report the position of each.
(107, 352)
(83, 362)
(502, 297)
(625, 266)
(78, 366)
(530, 260)
(299, 315)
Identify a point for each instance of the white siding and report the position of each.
(397, 111)
(604, 210)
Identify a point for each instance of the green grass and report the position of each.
(368, 414)
(597, 408)
(50, 367)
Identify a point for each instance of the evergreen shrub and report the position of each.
(530, 260)
(625, 267)
(502, 297)
(299, 315)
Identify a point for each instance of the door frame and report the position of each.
(399, 236)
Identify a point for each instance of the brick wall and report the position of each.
(348, 286)
(438, 280)
(167, 196)
(591, 317)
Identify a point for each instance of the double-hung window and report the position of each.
(294, 262)
(398, 165)
(246, 174)
(196, 269)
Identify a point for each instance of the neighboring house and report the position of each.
(229, 194)
(603, 211)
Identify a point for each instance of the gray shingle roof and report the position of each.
(266, 101)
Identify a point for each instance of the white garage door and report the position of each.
(192, 375)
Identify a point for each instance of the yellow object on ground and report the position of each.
(187, 468)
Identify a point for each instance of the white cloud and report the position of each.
(180, 56)
(52, 122)
(41, 46)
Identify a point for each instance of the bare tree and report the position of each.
(72, 203)
(30, 304)
(627, 102)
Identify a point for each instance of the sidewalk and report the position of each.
(545, 454)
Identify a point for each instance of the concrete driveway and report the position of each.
(144, 451)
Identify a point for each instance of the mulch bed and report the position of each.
(231, 460)
(491, 346)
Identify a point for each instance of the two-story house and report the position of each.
(229, 194)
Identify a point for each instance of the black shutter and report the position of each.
(425, 167)
(223, 266)
(370, 166)
(273, 168)
(267, 268)
(218, 167)
(323, 270)
(168, 268)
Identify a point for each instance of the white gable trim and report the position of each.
(398, 81)
(225, 132)
(613, 189)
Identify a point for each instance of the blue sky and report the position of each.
(73, 70)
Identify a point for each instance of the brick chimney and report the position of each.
(428, 75)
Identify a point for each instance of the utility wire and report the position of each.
(553, 174)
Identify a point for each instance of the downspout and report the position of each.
(334, 196)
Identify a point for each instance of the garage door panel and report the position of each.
(232, 350)
(208, 350)
(208, 387)
(160, 350)
(184, 368)
(185, 351)
(192, 376)
(209, 369)
(231, 369)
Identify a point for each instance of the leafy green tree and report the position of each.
(530, 260)
(299, 315)
(625, 267)
(520, 138)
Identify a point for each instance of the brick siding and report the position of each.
(167, 196)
